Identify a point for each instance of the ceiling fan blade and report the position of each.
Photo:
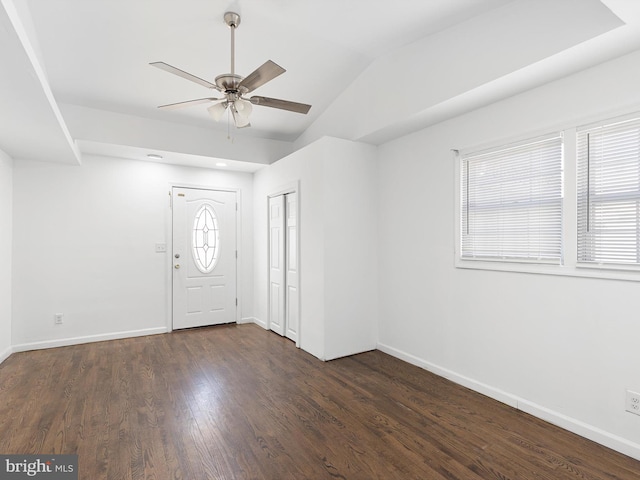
(266, 72)
(281, 104)
(188, 103)
(181, 73)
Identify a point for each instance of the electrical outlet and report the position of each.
(58, 318)
(633, 402)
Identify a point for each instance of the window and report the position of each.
(511, 203)
(609, 193)
(205, 239)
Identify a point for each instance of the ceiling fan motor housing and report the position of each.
(229, 83)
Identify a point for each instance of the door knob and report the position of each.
(177, 255)
(176, 266)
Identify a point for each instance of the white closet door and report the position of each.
(291, 266)
(277, 270)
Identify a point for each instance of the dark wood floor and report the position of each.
(237, 402)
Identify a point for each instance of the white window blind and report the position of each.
(511, 203)
(609, 193)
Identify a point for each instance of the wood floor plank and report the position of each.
(240, 403)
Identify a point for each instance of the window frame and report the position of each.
(570, 266)
(604, 199)
(498, 155)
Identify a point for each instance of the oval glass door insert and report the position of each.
(206, 239)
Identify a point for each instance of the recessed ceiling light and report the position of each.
(154, 156)
(221, 164)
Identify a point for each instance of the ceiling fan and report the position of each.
(234, 87)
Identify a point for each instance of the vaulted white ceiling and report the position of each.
(77, 74)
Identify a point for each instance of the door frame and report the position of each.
(290, 187)
(169, 243)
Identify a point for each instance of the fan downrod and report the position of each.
(229, 82)
(232, 19)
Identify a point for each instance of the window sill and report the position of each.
(608, 272)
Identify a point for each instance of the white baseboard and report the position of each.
(255, 320)
(598, 435)
(65, 342)
(5, 354)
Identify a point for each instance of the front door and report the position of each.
(204, 257)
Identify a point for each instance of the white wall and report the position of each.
(84, 245)
(562, 348)
(338, 277)
(351, 249)
(6, 227)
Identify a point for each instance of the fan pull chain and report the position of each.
(229, 137)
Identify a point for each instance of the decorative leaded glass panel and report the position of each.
(205, 239)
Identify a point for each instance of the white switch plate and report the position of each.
(161, 247)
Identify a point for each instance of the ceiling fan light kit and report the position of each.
(234, 87)
(217, 110)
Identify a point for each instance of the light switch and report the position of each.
(161, 247)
